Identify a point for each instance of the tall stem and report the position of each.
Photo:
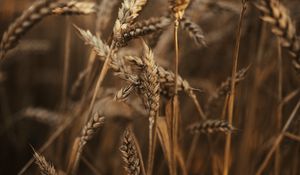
(102, 75)
(175, 103)
(232, 94)
(66, 64)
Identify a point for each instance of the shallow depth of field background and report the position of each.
(31, 76)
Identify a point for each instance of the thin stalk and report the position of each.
(90, 166)
(152, 146)
(292, 136)
(191, 152)
(232, 94)
(279, 107)
(175, 102)
(278, 140)
(102, 75)
(66, 64)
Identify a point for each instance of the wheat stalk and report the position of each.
(45, 167)
(127, 13)
(150, 90)
(178, 8)
(210, 126)
(277, 15)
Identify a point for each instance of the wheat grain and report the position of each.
(194, 31)
(166, 78)
(34, 14)
(21, 25)
(277, 15)
(142, 28)
(123, 93)
(97, 44)
(210, 126)
(90, 129)
(76, 8)
(224, 89)
(130, 154)
(149, 89)
(127, 13)
(45, 167)
(87, 133)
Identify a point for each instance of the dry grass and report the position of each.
(186, 87)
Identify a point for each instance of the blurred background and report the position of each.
(31, 76)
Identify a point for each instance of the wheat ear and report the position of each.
(277, 15)
(35, 13)
(76, 8)
(88, 131)
(166, 78)
(45, 167)
(142, 28)
(210, 126)
(224, 88)
(131, 154)
(194, 31)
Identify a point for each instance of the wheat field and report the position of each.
(150, 87)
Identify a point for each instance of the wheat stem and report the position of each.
(232, 94)
(66, 64)
(278, 140)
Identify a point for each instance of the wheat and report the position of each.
(178, 7)
(123, 93)
(150, 92)
(224, 88)
(142, 28)
(87, 133)
(90, 129)
(97, 44)
(210, 126)
(76, 8)
(43, 115)
(130, 154)
(166, 78)
(194, 31)
(277, 15)
(30, 17)
(127, 13)
(34, 14)
(45, 167)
